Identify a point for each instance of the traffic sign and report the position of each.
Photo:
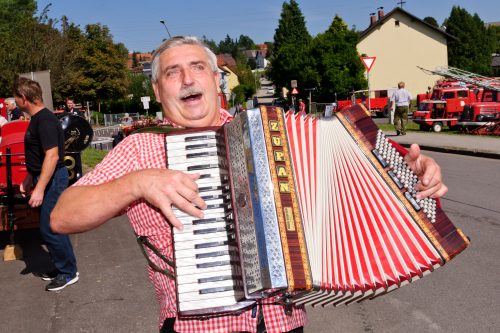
(145, 99)
(295, 91)
(293, 83)
(368, 62)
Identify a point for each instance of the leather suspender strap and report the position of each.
(144, 242)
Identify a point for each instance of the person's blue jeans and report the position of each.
(59, 246)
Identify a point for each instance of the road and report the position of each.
(114, 294)
(462, 296)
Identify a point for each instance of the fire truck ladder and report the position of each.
(464, 76)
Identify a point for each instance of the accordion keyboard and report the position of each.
(206, 255)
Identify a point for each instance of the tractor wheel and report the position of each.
(437, 126)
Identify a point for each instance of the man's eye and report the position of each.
(198, 68)
(173, 73)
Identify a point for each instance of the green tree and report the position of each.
(472, 49)
(104, 70)
(431, 20)
(228, 45)
(291, 59)
(338, 62)
(245, 43)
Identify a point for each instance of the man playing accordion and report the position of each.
(133, 179)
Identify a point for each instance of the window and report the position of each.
(449, 94)
(396, 23)
(463, 93)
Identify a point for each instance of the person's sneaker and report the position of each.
(398, 133)
(49, 276)
(61, 281)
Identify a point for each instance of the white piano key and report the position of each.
(196, 296)
(202, 243)
(186, 137)
(233, 270)
(196, 287)
(193, 252)
(200, 238)
(192, 270)
(211, 303)
(197, 229)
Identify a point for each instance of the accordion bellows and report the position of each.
(318, 210)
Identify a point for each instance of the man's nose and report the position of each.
(187, 77)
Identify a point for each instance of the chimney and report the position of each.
(380, 11)
(373, 19)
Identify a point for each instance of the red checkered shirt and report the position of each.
(145, 151)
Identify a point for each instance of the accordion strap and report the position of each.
(143, 242)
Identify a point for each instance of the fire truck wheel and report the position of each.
(424, 127)
(437, 126)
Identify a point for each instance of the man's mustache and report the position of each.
(189, 91)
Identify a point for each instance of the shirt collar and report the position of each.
(224, 117)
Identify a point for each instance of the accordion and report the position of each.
(316, 211)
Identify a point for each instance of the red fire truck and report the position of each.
(476, 103)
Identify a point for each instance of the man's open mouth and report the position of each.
(191, 97)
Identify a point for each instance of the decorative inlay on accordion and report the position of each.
(317, 210)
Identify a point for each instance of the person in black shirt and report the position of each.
(44, 150)
(70, 108)
(12, 109)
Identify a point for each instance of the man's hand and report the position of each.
(26, 185)
(429, 173)
(36, 198)
(166, 188)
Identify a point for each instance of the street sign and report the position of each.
(293, 83)
(368, 62)
(145, 99)
(295, 91)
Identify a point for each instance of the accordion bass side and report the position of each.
(318, 211)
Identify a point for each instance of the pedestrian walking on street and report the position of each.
(47, 176)
(402, 99)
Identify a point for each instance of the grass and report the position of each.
(412, 127)
(91, 157)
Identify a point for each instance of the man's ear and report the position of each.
(217, 80)
(156, 90)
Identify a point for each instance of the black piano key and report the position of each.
(214, 197)
(213, 264)
(203, 154)
(210, 244)
(200, 146)
(217, 290)
(207, 221)
(219, 278)
(211, 230)
(214, 254)
(202, 167)
(213, 188)
(200, 137)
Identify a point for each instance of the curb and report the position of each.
(458, 151)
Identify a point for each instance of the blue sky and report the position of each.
(137, 24)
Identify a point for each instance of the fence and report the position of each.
(118, 118)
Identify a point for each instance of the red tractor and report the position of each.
(378, 105)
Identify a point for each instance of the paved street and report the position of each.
(114, 294)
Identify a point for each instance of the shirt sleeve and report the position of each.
(117, 163)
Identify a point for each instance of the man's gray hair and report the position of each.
(10, 100)
(178, 41)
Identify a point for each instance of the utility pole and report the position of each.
(168, 32)
(310, 97)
